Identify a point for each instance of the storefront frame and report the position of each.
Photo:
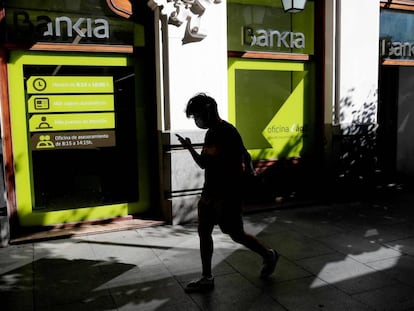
(389, 99)
(297, 171)
(141, 52)
(24, 187)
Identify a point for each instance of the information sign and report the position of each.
(70, 103)
(71, 121)
(73, 140)
(69, 84)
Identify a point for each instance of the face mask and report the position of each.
(201, 123)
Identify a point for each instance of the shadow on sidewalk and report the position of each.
(350, 256)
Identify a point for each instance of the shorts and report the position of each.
(226, 213)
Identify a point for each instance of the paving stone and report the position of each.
(345, 273)
(332, 258)
(396, 297)
(405, 246)
(359, 248)
(249, 265)
(399, 268)
(233, 292)
(311, 293)
(294, 245)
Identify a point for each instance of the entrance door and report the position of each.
(396, 118)
(405, 122)
(74, 137)
(387, 119)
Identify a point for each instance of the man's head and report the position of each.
(204, 110)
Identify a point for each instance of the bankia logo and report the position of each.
(273, 38)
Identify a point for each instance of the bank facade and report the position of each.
(93, 93)
(75, 127)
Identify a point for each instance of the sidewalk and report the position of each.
(349, 256)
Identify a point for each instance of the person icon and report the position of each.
(44, 142)
(43, 124)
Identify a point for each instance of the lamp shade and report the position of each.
(293, 6)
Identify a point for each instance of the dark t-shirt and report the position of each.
(222, 156)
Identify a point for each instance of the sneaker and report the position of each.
(201, 285)
(269, 264)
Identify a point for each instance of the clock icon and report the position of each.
(39, 84)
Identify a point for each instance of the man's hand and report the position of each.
(186, 142)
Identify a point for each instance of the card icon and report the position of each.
(41, 103)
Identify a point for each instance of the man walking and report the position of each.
(224, 159)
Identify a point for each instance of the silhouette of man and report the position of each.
(224, 159)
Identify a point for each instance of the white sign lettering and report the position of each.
(83, 27)
(396, 49)
(273, 38)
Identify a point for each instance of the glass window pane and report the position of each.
(86, 156)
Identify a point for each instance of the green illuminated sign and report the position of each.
(70, 103)
(69, 84)
(71, 121)
(264, 26)
(60, 21)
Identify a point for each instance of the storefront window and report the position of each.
(264, 26)
(396, 35)
(272, 105)
(81, 122)
(271, 89)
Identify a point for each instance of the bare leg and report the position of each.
(270, 256)
(206, 248)
(249, 241)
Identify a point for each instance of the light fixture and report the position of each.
(293, 6)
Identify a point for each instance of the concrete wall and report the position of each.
(198, 66)
(351, 91)
(190, 68)
(357, 62)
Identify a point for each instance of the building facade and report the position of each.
(261, 64)
(94, 92)
(78, 135)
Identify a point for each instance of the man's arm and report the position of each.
(186, 142)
